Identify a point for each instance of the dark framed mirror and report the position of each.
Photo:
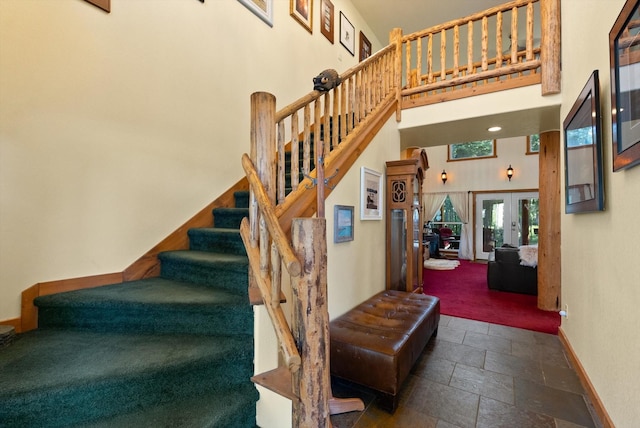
(583, 151)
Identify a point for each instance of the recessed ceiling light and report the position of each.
(494, 129)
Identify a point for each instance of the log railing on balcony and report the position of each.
(330, 129)
(497, 49)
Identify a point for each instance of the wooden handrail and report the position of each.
(268, 212)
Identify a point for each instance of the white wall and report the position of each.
(599, 250)
(484, 174)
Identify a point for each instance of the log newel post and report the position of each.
(263, 156)
(310, 325)
(550, 46)
(395, 37)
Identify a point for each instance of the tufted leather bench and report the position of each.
(377, 343)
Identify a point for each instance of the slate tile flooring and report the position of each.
(476, 374)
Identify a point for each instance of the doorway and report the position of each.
(505, 218)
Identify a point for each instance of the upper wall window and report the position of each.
(533, 144)
(472, 150)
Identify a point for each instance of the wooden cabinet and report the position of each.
(404, 221)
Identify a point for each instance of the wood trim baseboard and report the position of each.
(599, 408)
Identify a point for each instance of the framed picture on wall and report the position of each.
(347, 34)
(263, 9)
(326, 19)
(624, 53)
(302, 11)
(102, 4)
(370, 194)
(342, 223)
(583, 151)
(365, 47)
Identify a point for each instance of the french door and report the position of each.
(505, 218)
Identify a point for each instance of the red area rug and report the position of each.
(463, 293)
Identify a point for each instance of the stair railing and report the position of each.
(509, 55)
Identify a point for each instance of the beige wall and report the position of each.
(600, 250)
(116, 128)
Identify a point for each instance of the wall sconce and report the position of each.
(509, 172)
(443, 176)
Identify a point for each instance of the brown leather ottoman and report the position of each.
(377, 343)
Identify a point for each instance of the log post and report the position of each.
(549, 227)
(310, 325)
(550, 46)
(395, 37)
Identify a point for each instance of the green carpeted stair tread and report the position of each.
(227, 271)
(235, 409)
(153, 305)
(229, 217)
(217, 240)
(71, 376)
(241, 198)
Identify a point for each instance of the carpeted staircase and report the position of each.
(171, 351)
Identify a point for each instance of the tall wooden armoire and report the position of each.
(404, 221)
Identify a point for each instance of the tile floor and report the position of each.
(476, 374)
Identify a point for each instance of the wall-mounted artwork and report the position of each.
(365, 47)
(624, 50)
(370, 194)
(347, 34)
(326, 19)
(302, 11)
(583, 151)
(102, 4)
(263, 9)
(342, 223)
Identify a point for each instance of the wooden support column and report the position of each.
(550, 46)
(310, 320)
(549, 267)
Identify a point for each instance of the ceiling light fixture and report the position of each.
(494, 129)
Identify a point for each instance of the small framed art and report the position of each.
(342, 223)
(370, 194)
(302, 11)
(347, 34)
(326, 19)
(263, 9)
(365, 47)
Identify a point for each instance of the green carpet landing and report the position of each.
(172, 351)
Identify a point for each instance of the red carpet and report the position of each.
(463, 293)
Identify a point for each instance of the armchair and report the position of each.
(505, 273)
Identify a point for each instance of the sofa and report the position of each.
(507, 273)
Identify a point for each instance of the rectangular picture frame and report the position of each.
(302, 11)
(263, 9)
(365, 47)
(624, 54)
(370, 194)
(347, 34)
(584, 190)
(327, 20)
(342, 223)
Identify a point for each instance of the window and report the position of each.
(533, 144)
(446, 216)
(472, 150)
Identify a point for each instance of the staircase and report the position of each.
(176, 350)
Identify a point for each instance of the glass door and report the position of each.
(505, 218)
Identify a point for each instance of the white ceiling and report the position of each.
(414, 15)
